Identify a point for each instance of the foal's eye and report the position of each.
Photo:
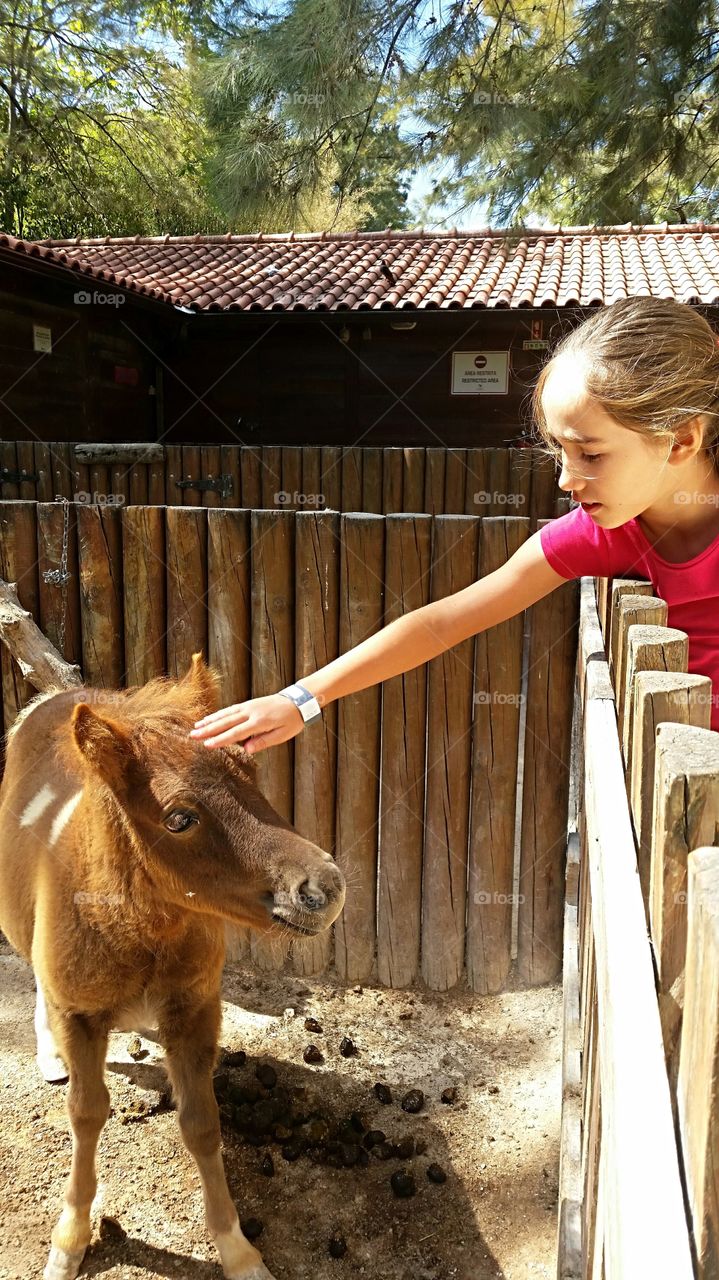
(180, 820)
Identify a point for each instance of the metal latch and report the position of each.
(222, 484)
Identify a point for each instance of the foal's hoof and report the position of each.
(62, 1265)
(52, 1068)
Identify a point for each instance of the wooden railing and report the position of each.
(639, 1176)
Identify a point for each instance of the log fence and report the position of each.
(380, 481)
(411, 785)
(639, 1173)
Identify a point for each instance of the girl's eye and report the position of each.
(591, 457)
(180, 820)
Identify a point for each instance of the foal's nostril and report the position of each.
(309, 896)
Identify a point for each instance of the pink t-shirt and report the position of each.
(577, 547)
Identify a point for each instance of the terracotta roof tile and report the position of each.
(385, 270)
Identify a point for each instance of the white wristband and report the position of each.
(306, 703)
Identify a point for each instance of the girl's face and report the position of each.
(615, 473)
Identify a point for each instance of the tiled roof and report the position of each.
(384, 270)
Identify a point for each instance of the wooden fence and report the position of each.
(639, 1174)
(412, 785)
(435, 481)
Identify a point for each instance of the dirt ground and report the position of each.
(498, 1143)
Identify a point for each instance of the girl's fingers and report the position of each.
(235, 733)
(219, 715)
(213, 726)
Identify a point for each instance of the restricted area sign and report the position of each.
(480, 373)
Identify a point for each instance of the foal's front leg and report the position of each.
(83, 1044)
(190, 1037)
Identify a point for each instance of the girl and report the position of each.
(629, 404)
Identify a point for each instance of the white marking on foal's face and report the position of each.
(36, 807)
(62, 818)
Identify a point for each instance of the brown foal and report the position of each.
(125, 846)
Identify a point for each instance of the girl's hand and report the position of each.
(258, 723)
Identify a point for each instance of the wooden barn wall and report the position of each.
(99, 381)
(290, 379)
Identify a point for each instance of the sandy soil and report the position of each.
(495, 1216)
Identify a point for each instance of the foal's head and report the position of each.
(203, 833)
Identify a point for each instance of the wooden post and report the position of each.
(686, 815)
(612, 601)
(144, 593)
(552, 657)
(698, 1088)
(186, 550)
(404, 705)
(449, 727)
(629, 610)
(317, 563)
(18, 564)
(273, 667)
(658, 695)
(361, 607)
(99, 540)
(497, 698)
(649, 648)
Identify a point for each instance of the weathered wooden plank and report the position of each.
(317, 565)
(404, 707)
(449, 728)
(361, 608)
(698, 1089)
(497, 701)
(186, 552)
(99, 540)
(18, 564)
(144, 593)
(553, 633)
(272, 536)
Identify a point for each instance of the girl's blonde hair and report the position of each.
(651, 364)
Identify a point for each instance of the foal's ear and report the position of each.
(204, 682)
(105, 746)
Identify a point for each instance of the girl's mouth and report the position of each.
(590, 506)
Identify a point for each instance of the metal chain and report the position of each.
(60, 577)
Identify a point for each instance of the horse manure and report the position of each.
(404, 1149)
(403, 1183)
(293, 1149)
(372, 1138)
(358, 1122)
(413, 1101)
(311, 1024)
(337, 1246)
(252, 1227)
(266, 1075)
(383, 1150)
(312, 1054)
(136, 1050)
(233, 1057)
(384, 1093)
(267, 1165)
(436, 1173)
(449, 1095)
(349, 1153)
(110, 1229)
(347, 1047)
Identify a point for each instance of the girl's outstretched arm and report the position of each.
(407, 642)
